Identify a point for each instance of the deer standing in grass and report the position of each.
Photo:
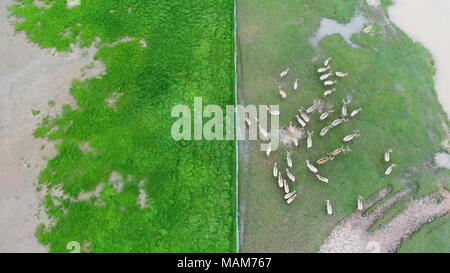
(284, 73)
(355, 112)
(309, 140)
(282, 92)
(387, 156)
(323, 69)
(389, 169)
(321, 178)
(303, 115)
(344, 108)
(300, 121)
(275, 170)
(352, 136)
(291, 199)
(329, 208)
(290, 175)
(328, 83)
(289, 195)
(329, 91)
(272, 111)
(311, 167)
(325, 130)
(325, 76)
(289, 159)
(325, 114)
(360, 203)
(341, 74)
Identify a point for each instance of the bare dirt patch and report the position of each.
(351, 234)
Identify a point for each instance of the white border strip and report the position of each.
(235, 126)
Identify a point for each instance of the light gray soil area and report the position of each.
(30, 77)
(351, 235)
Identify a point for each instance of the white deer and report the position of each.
(327, 61)
(295, 141)
(303, 115)
(325, 114)
(286, 186)
(275, 170)
(300, 121)
(338, 151)
(290, 175)
(360, 203)
(387, 156)
(289, 159)
(336, 122)
(344, 110)
(289, 195)
(321, 178)
(328, 83)
(325, 130)
(355, 112)
(323, 69)
(329, 91)
(352, 136)
(291, 199)
(329, 208)
(309, 140)
(280, 180)
(272, 111)
(341, 74)
(312, 108)
(311, 167)
(325, 76)
(389, 169)
(284, 73)
(269, 149)
(282, 92)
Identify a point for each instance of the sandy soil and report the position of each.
(427, 21)
(351, 235)
(29, 78)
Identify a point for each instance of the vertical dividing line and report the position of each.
(236, 127)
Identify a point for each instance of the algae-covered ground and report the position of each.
(117, 140)
(390, 78)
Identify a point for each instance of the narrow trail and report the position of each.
(352, 235)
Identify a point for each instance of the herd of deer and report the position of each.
(328, 78)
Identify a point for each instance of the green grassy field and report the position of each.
(391, 79)
(190, 184)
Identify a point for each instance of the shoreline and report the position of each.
(427, 23)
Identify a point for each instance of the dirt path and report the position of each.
(29, 78)
(351, 235)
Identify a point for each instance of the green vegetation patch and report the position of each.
(127, 146)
